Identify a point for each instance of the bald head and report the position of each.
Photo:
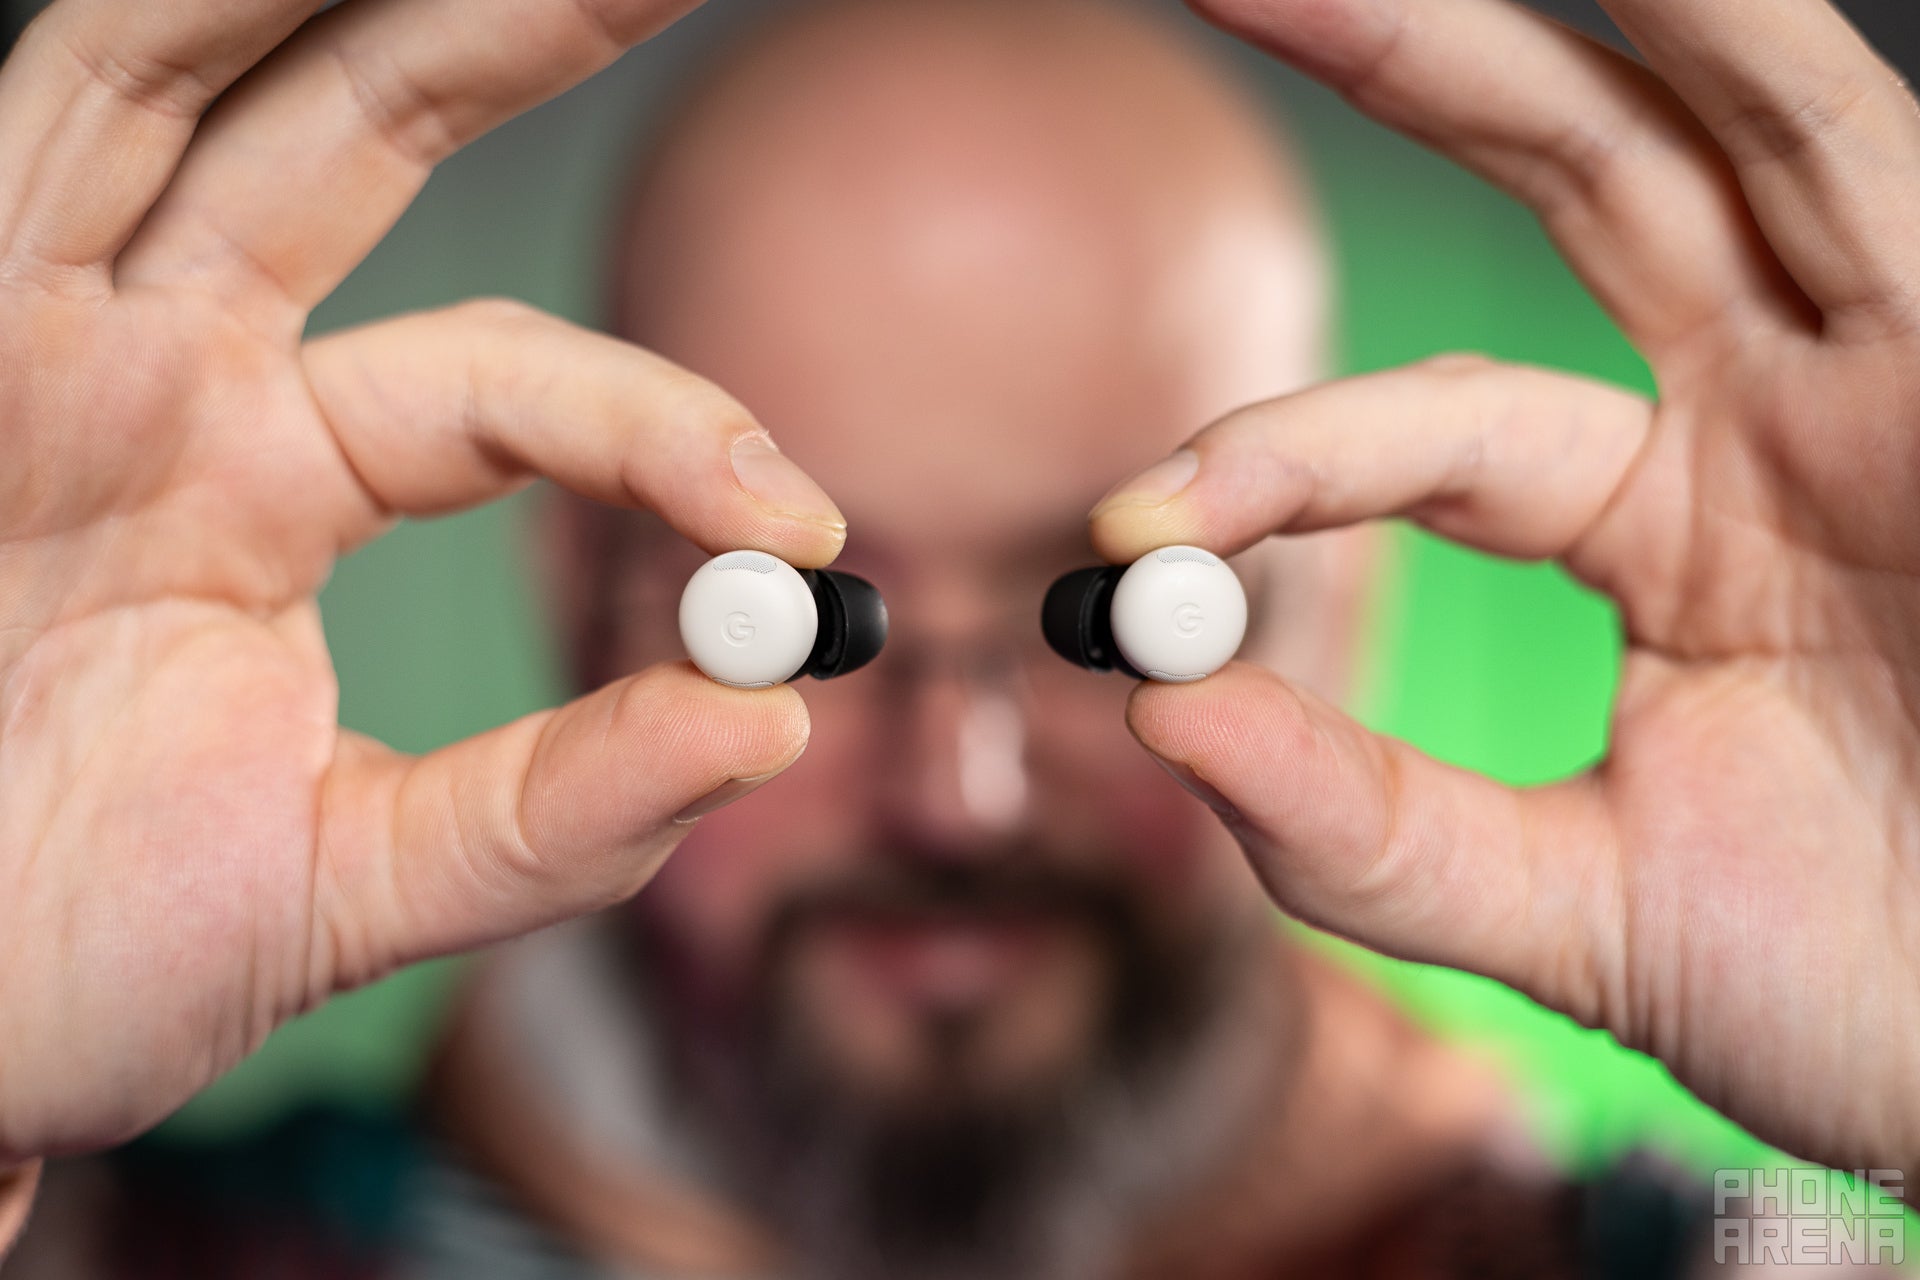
(942, 222)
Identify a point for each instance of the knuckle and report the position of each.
(401, 113)
(1245, 18)
(1369, 81)
(517, 852)
(151, 81)
(1761, 130)
(499, 379)
(615, 25)
(1352, 53)
(1401, 864)
(1582, 163)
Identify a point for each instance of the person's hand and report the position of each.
(1736, 888)
(191, 849)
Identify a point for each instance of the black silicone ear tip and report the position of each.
(866, 622)
(853, 624)
(1066, 615)
(1077, 619)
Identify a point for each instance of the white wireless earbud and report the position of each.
(752, 620)
(1174, 615)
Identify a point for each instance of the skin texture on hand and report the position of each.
(1736, 888)
(191, 849)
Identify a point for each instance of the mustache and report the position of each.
(1162, 985)
(1021, 885)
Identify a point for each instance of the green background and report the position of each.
(1501, 667)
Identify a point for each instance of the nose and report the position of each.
(954, 784)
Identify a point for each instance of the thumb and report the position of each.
(555, 815)
(1365, 836)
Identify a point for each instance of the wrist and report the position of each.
(17, 1185)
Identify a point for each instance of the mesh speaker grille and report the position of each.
(1186, 555)
(751, 561)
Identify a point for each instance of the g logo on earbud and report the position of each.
(1187, 620)
(739, 628)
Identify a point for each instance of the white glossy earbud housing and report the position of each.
(1179, 614)
(748, 619)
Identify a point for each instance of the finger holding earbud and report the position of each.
(1351, 830)
(1366, 836)
(445, 410)
(1512, 460)
(558, 813)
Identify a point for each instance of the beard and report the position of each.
(960, 1174)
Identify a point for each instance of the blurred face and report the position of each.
(954, 890)
(957, 888)
(974, 916)
(974, 903)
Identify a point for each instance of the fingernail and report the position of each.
(1153, 486)
(722, 796)
(782, 487)
(1200, 789)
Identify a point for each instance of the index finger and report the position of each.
(1516, 461)
(97, 105)
(1628, 184)
(300, 171)
(1824, 135)
(444, 410)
